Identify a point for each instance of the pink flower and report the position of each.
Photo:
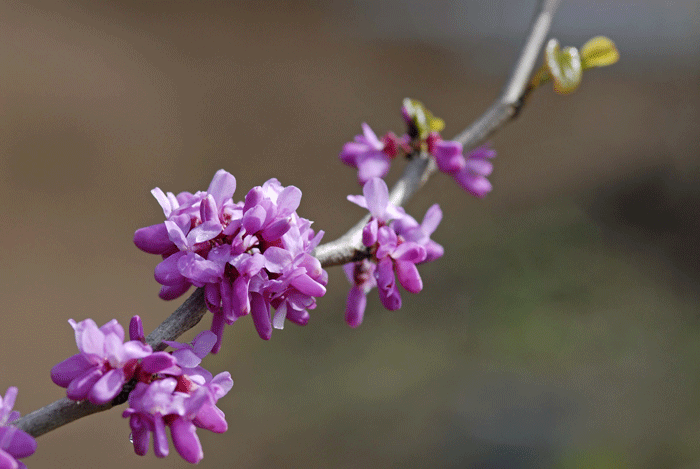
(397, 243)
(105, 363)
(250, 257)
(14, 443)
(470, 172)
(371, 156)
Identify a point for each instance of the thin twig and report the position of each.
(348, 247)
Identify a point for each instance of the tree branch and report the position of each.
(348, 247)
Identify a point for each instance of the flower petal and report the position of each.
(222, 187)
(107, 387)
(63, 373)
(261, 316)
(16, 443)
(153, 239)
(185, 439)
(211, 418)
(355, 306)
(167, 272)
(79, 388)
(288, 201)
(372, 165)
(377, 196)
(408, 276)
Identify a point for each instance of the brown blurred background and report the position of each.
(560, 330)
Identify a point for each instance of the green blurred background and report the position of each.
(561, 327)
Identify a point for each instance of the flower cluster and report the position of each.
(470, 172)
(249, 256)
(183, 396)
(14, 443)
(170, 389)
(372, 157)
(105, 363)
(396, 243)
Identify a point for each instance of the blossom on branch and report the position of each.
(105, 363)
(470, 172)
(396, 243)
(179, 394)
(251, 257)
(14, 443)
(371, 156)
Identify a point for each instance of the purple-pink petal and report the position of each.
(288, 201)
(377, 196)
(308, 286)
(254, 218)
(16, 443)
(107, 387)
(208, 210)
(136, 329)
(157, 362)
(431, 220)
(160, 439)
(198, 269)
(203, 343)
(479, 166)
(186, 358)
(276, 259)
(63, 373)
(167, 272)
(113, 327)
(409, 252)
(408, 275)
(372, 165)
(355, 306)
(88, 337)
(370, 138)
(79, 388)
(433, 251)
(170, 292)
(369, 232)
(475, 184)
(211, 418)
(358, 200)
(448, 156)
(222, 187)
(140, 434)
(298, 317)
(176, 235)
(204, 232)
(153, 239)
(386, 284)
(259, 309)
(185, 439)
(276, 230)
(163, 201)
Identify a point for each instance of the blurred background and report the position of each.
(561, 329)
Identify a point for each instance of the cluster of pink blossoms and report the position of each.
(14, 443)
(170, 389)
(372, 156)
(396, 242)
(250, 256)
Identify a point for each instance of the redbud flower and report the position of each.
(14, 443)
(397, 243)
(183, 398)
(105, 363)
(470, 172)
(250, 257)
(371, 156)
